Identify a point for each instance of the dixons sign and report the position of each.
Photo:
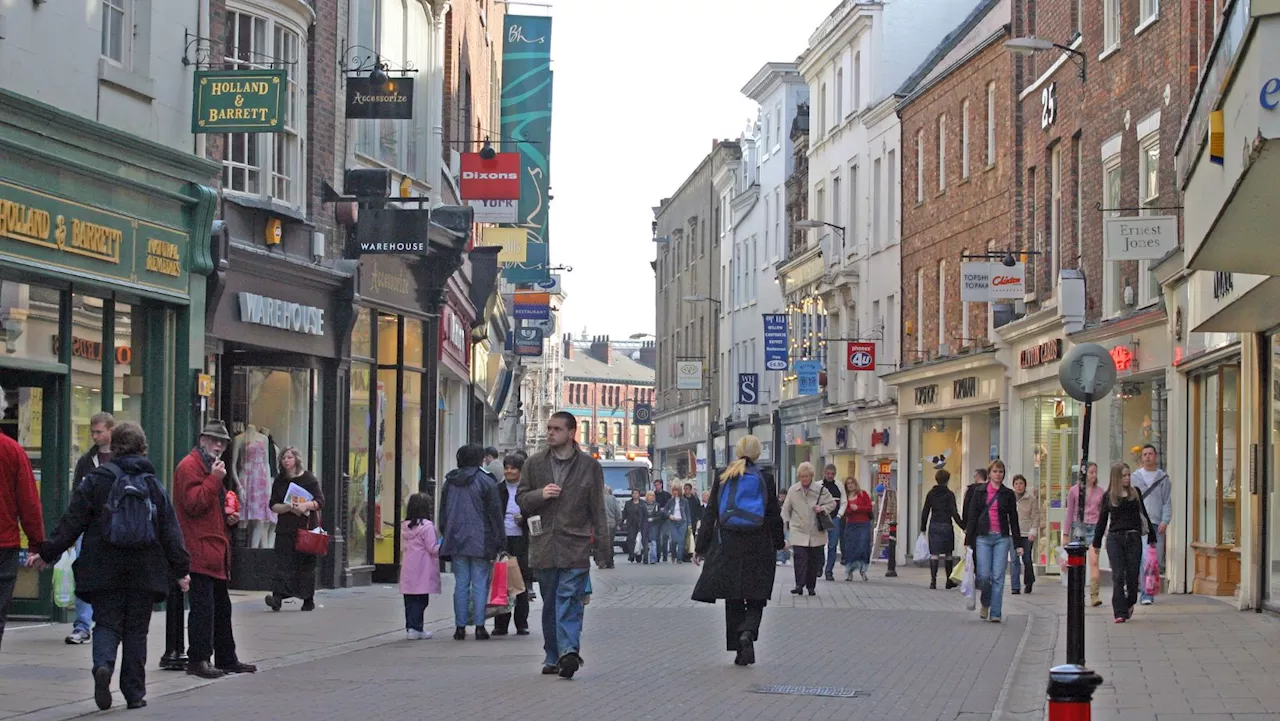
(495, 179)
(273, 313)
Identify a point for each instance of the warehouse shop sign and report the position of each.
(239, 101)
(281, 314)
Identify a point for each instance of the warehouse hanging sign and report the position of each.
(239, 101)
(985, 281)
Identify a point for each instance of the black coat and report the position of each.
(739, 564)
(977, 521)
(103, 567)
(633, 516)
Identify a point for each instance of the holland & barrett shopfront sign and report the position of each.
(52, 232)
(239, 101)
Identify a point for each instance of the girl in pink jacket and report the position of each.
(419, 563)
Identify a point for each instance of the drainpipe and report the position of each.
(435, 90)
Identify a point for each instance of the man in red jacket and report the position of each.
(19, 502)
(199, 497)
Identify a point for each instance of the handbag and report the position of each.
(824, 519)
(312, 541)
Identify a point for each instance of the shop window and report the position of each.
(361, 451)
(384, 532)
(937, 444)
(268, 165)
(1053, 429)
(1272, 499)
(411, 411)
(1112, 277)
(413, 343)
(401, 36)
(1217, 457)
(127, 405)
(1149, 192)
(270, 411)
(362, 334)
(388, 339)
(1138, 417)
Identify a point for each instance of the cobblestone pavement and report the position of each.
(651, 652)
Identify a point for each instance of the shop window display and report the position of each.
(1272, 499)
(1053, 429)
(271, 409)
(1138, 417)
(363, 403)
(1217, 452)
(937, 444)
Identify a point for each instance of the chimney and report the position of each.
(600, 349)
(568, 346)
(649, 355)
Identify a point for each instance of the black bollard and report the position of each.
(892, 572)
(1076, 552)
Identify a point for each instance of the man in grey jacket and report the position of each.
(1157, 495)
(604, 542)
(471, 533)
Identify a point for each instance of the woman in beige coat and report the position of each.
(805, 500)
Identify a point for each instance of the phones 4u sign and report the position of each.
(239, 101)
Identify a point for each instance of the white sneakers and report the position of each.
(418, 635)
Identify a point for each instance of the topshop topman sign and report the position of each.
(273, 313)
(238, 101)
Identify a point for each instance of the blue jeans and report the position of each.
(677, 530)
(992, 559)
(84, 611)
(833, 544)
(470, 589)
(562, 610)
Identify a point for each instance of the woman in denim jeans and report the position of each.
(1085, 531)
(991, 530)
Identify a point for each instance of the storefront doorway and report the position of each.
(34, 419)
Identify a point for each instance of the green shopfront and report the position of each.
(104, 249)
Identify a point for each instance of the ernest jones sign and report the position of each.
(238, 101)
(1145, 237)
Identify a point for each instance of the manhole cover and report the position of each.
(786, 690)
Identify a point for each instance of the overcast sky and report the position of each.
(641, 89)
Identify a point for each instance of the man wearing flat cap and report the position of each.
(200, 499)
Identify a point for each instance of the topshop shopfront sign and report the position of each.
(295, 317)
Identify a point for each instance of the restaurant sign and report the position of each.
(239, 101)
(73, 237)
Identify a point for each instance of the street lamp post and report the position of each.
(1032, 45)
(811, 223)
(712, 339)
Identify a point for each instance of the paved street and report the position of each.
(651, 653)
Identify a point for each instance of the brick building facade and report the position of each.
(472, 74)
(957, 122)
(602, 384)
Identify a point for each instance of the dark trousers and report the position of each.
(209, 626)
(174, 621)
(121, 619)
(1124, 549)
(8, 580)
(518, 546)
(632, 535)
(415, 608)
(742, 615)
(1024, 565)
(808, 565)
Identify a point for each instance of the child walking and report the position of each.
(419, 565)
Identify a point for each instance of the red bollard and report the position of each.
(1071, 692)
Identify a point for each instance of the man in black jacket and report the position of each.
(663, 535)
(695, 517)
(100, 431)
(633, 518)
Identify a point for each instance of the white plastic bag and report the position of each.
(968, 583)
(922, 547)
(1061, 555)
(64, 580)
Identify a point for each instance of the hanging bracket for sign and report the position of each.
(199, 51)
(357, 59)
(1098, 207)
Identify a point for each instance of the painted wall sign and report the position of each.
(1046, 352)
(927, 395)
(1269, 97)
(261, 310)
(238, 101)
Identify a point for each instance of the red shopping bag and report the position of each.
(498, 586)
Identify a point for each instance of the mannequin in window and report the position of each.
(252, 462)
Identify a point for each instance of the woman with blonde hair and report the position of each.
(991, 530)
(1086, 531)
(1123, 522)
(740, 533)
(855, 535)
(295, 573)
(806, 503)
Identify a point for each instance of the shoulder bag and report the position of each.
(312, 541)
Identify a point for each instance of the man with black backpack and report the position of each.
(132, 549)
(200, 498)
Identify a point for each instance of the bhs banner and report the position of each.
(526, 115)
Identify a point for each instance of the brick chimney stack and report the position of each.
(649, 355)
(601, 349)
(568, 346)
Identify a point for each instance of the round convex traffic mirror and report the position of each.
(1088, 373)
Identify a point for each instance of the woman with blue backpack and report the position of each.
(740, 533)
